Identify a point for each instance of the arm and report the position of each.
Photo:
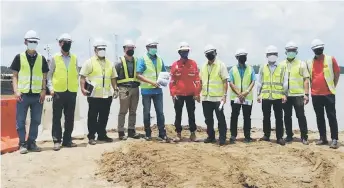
(51, 74)
(114, 78)
(84, 72)
(231, 84)
(305, 74)
(172, 81)
(253, 78)
(336, 71)
(45, 70)
(259, 80)
(15, 66)
(225, 77)
(198, 85)
(15, 81)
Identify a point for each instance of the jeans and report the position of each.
(98, 115)
(278, 111)
(190, 107)
(208, 111)
(329, 103)
(36, 108)
(298, 104)
(159, 108)
(247, 119)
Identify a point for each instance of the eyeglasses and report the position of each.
(101, 48)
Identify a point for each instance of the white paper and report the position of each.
(245, 102)
(221, 105)
(163, 79)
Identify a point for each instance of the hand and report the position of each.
(84, 91)
(42, 96)
(52, 93)
(174, 98)
(155, 84)
(224, 99)
(197, 98)
(243, 95)
(115, 93)
(18, 95)
(305, 99)
(284, 99)
(259, 99)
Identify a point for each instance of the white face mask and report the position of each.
(32, 46)
(101, 53)
(272, 58)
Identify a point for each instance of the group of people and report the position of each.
(281, 85)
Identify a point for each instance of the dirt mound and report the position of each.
(151, 164)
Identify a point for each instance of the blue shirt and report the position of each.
(141, 67)
(242, 72)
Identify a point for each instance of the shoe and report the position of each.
(133, 134)
(232, 140)
(69, 144)
(193, 137)
(148, 138)
(265, 138)
(163, 139)
(281, 142)
(322, 142)
(334, 144)
(248, 140)
(121, 136)
(105, 139)
(209, 140)
(57, 146)
(304, 141)
(178, 137)
(23, 149)
(288, 139)
(222, 142)
(33, 147)
(92, 142)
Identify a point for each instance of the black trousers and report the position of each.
(190, 107)
(246, 110)
(329, 103)
(208, 111)
(63, 101)
(298, 103)
(98, 114)
(278, 111)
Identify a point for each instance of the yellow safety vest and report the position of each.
(151, 71)
(242, 84)
(126, 74)
(212, 83)
(65, 79)
(328, 72)
(295, 78)
(272, 86)
(101, 77)
(28, 79)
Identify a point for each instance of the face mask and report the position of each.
(184, 54)
(318, 51)
(130, 52)
(32, 46)
(101, 53)
(242, 59)
(66, 46)
(152, 51)
(291, 55)
(272, 58)
(210, 56)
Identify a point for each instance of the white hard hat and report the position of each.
(291, 45)
(65, 37)
(183, 46)
(240, 51)
(317, 43)
(151, 42)
(271, 49)
(128, 43)
(31, 35)
(99, 43)
(209, 48)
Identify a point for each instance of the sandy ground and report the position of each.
(138, 163)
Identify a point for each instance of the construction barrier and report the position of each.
(9, 136)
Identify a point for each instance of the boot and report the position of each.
(132, 134)
(121, 135)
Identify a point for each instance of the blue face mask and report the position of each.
(184, 54)
(291, 55)
(152, 51)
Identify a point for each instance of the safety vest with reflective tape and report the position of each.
(151, 71)
(212, 83)
(272, 85)
(328, 72)
(101, 77)
(65, 79)
(295, 78)
(244, 83)
(28, 79)
(126, 74)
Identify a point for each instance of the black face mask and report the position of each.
(66, 46)
(318, 51)
(242, 59)
(210, 56)
(130, 52)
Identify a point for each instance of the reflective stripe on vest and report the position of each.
(126, 74)
(64, 79)
(212, 83)
(272, 86)
(295, 78)
(328, 72)
(152, 72)
(242, 84)
(30, 79)
(101, 77)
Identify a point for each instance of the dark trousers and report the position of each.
(98, 114)
(208, 111)
(329, 102)
(63, 101)
(246, 110)
(298, 103)
(278, 111)
(190, 107)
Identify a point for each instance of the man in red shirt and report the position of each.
(184, 87)
(324, 73)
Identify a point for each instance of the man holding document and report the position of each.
(241, 80)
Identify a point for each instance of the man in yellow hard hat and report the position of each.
(29, 85)
(63, 86)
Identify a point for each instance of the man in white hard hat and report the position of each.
(129, 93)
(148, 70)
(29, 85)
(241, 80)
(324, 73)
(184, 87)
(272, 86)
(63, 86)
(298, 92)
(214, 77)
(101, 73)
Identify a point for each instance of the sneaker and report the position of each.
(281, 142)
(105, 139)
(178, 137)
(322, 142)
(193, 137)
(33, 147)
(288, 139)
(209, 140)
(334, 144)
(121, 136)
(133, 134)
(57, 146)
(248, 140)
(148, 138)
(305, 141)
(92, 142)
(69, 144)
(265, 138)
(163, 139)
(232, 140)
(23, 149)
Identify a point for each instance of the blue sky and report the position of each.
(227, 25)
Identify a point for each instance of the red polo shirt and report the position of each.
(185, 79)
(319, 85)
